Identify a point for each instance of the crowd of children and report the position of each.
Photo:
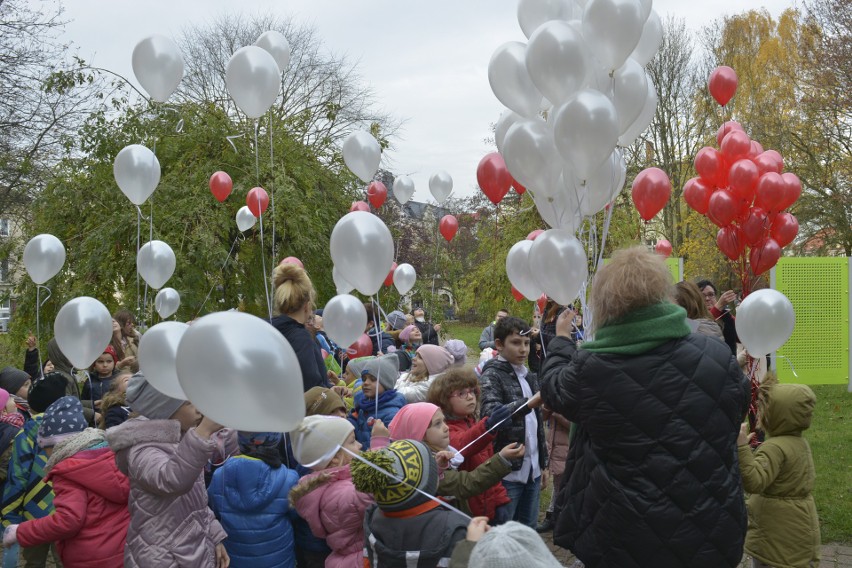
(434, 465)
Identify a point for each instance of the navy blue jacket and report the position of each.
(307, 351)
(364, 408)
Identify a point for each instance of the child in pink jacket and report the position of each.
(327, 499)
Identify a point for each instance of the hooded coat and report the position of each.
(783, 527)
(307, 350)
(250, 499)
(90, 523)
(170, 523)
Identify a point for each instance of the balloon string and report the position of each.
(257, 158)
(263, 264)
(224, 264)
(230, 140)
(789, 362)
(378, 345)
(138, 239)
(272, 184)
(38, 323)
(487, 432)
(434, 272)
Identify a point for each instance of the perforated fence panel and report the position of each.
(819, 346)
(674, 265)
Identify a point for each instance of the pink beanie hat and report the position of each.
(4, 398)
(406, 333)
(412, 421)
(437, 359)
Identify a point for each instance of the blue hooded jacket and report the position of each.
(364, 409)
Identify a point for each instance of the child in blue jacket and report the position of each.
(379, 377)
(249, 495)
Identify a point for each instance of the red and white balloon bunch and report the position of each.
(574, 92)
(744, 190)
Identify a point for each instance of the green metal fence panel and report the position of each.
(674, 265)
(819, 346)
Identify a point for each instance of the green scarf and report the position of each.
(641, 330)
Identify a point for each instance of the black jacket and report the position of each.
(499, 386)
(652, 477)
(426, 328)
(381, 341)
(307, 351)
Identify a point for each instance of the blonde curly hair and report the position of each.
(293, 289)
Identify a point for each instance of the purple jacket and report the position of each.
(334, 510)
(170, 523)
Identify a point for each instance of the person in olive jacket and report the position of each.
(652, 477)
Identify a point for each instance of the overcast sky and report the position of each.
(427, 61)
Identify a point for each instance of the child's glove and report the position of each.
(501, 515)
(10, 537)
(500, 414)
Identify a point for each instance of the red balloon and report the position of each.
(541, 303)
(221, 186)
(785, 227)
(755, 226)
(769, 161)
(377, 193)
(726, 129)
(764, 255)
(709, 165)
(534, 234)
(517, 295)
(519, 189)
(257, 201)
(359, 206)
(730, 242)
(722, 84)
(735, 145)
(292, 260)
(697, 194)
(664, 248)
(723, 208)
(449, 226)
(756, 149)
(389, 279)
(651, 191)
(362, 347)
(493, 177)
(792, 190)
(742, 179)
(770, 192)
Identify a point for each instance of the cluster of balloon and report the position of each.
(377, 193)
(221, 186)
(551, 262)
(448, 226)
(575, 91)
(650, 192)
(744, 190)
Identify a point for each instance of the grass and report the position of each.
(469, 333)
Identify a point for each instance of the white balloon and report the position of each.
(559, 263)
(643, 121)
(651, 40)
(560, 210)
(585, 131)
(362, 250)
(507, 119)
(518, 270)
(512, 85)
(403, 189)
(602, 187)
(765, 321)
(440, 186)
(646, 6)
(158, 66)
(239, 371)
(630, 90)
(167, 302)
(253, 80)
(534, 13)
(557, 60)
(44, 257)
(137, 172)
(83, 329)
(404, 278)
(613, 29)
(531, 156)
(245, 219)
(278, 47)
(340, 283)
(344, 319)
(362, 154)
(158, 357)
(156, 263)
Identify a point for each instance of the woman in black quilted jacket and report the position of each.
(652, 477)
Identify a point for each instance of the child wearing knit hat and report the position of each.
(327, 499)
(407, 528)
(379, 376)
(429, 362)
(321, 400)
(100, 376)
(91, 518)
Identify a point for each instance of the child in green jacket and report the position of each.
(783, 528)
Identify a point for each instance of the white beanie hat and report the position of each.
(318, 439)
(512, 545)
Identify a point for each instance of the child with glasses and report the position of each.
(456, 392)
